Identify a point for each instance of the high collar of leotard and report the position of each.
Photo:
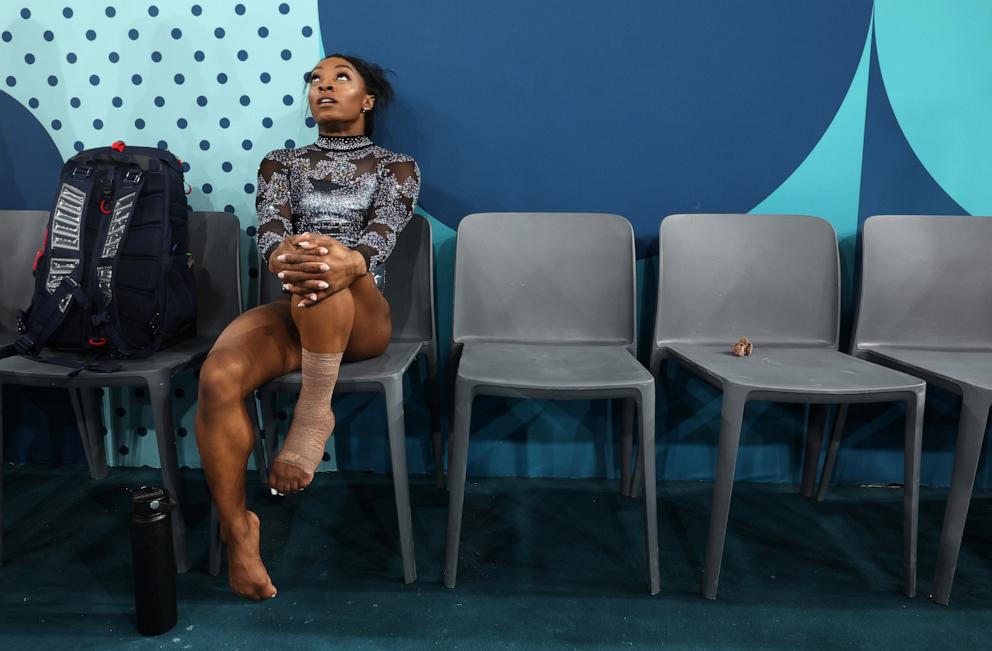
(343, 143)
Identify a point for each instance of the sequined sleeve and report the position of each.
(392, 208)
(272, 203)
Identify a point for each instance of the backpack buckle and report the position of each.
(23, 344)
(85, 171)
(132, 176)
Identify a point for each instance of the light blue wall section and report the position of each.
(934, 59)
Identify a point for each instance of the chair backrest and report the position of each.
(409, 283)
(926, 281)
(544, 278)
(21, 232)
(215, 242)
(772, 278)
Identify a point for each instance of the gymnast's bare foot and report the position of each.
(287, 478)
(248, 575)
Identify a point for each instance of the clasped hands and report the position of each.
(314, 266)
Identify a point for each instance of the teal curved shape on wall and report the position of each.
(934, 59)
(828, 182)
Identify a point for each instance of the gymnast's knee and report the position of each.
(222, 379)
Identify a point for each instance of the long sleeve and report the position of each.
(392, 207)
(272, 203)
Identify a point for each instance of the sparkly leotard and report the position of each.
(347, 187)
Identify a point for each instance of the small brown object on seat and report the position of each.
(742, 348)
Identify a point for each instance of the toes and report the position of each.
(277, 482)
(288, 481)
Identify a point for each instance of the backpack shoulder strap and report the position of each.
(107, 248)
(64, 271)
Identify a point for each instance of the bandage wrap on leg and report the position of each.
(313, 420)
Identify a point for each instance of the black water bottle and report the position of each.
(153, 561)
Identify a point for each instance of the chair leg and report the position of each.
(214, 568)
(828, 465)
(646, 464)
(86, 407)
(434, 403)
(160, 392)
(814, 442)
(971, 433)
(457, 466)
(911, 490)
(731, 419)
(261, 461)
(401, 483)
(93, 413)
(84, 429)
(628, 484)
(270, 429)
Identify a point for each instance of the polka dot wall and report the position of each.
(218, 83)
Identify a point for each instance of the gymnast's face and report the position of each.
(338, 97)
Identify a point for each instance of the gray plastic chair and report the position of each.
(776, 280)
(544, 308)
(410, 292)
(214, 241)
(926, 308)
(21, 232)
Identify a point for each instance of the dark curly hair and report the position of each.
(376, 84)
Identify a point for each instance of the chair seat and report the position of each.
(794, 370)
(551, 366)
(7, 339)
(391, 364)
(21, 370)
(971, 368)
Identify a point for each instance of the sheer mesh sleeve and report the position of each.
(392, 208)
(272, 203)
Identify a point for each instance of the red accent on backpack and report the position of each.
(40, 253)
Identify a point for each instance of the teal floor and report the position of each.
(544, 564)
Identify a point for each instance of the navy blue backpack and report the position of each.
(113, 276)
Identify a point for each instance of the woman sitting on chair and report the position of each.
(329, 214)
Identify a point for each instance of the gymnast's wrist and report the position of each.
(360, 263)
(270, 260)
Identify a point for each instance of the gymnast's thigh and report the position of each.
(372, 327)
(258, 346)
